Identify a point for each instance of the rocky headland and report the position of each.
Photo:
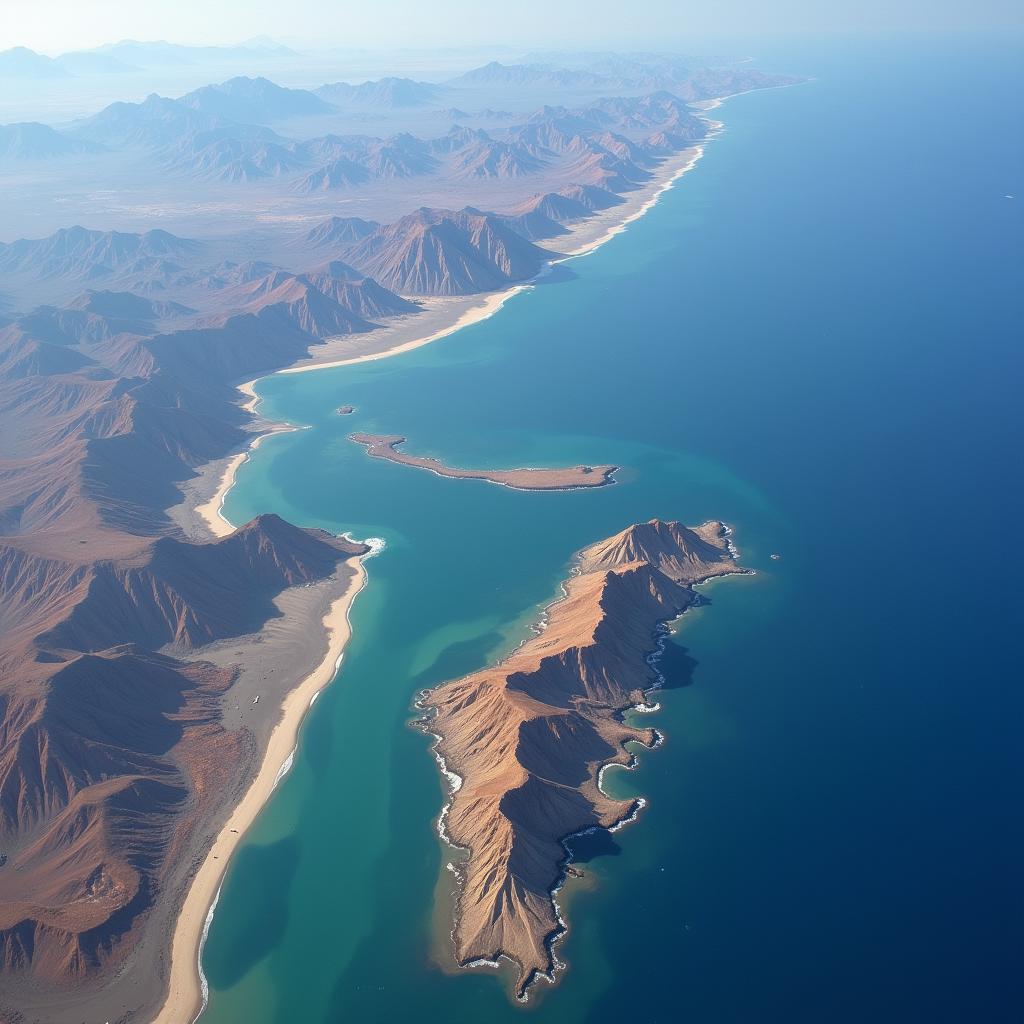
(524, 742)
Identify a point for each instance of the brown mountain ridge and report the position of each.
(528, 737)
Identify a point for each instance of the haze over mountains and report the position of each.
(33, 141)
(293, 152)
(192, 242)
(221, 134)
(580, 158)
(130, 55)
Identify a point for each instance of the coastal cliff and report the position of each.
(527, 738)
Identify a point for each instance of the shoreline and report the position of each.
(210, 510)
(187, 985)
(693, 155)
(492, 302)
(187, 990)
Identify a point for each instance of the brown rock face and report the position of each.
(528, 737)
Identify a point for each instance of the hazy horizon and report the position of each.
(63, 25)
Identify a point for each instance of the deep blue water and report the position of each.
(816, 337)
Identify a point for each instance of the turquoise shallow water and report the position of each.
(816, 337)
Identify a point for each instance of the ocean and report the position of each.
(816, 337)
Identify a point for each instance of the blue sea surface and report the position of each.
(817, 337)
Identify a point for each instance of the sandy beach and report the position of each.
(653, 192)
(185, 995)
(210, 511)
(483, 307)
(583, 238)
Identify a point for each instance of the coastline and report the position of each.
(211, 512)
(692, 156)
(186, 994)
(488, 304)
(613, 222)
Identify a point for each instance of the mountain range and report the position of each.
(131, 56)
(20, 62)
(254, 101)
(220, 133)
(389, 93)
(497, 75)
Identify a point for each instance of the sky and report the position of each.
(54, 26)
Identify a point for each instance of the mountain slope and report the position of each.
(341, 231)
(78, 252)
(21, 62)
(29, 140)
(443, 252)
(254, 101)
(389, 93)
(526, 75)
(110, 752)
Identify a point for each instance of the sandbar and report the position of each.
(385, 446)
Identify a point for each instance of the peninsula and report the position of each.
(524, 742)
(385, 446)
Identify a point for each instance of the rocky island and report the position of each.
(385, 446)
(524, 742)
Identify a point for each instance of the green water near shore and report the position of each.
(827, 835)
